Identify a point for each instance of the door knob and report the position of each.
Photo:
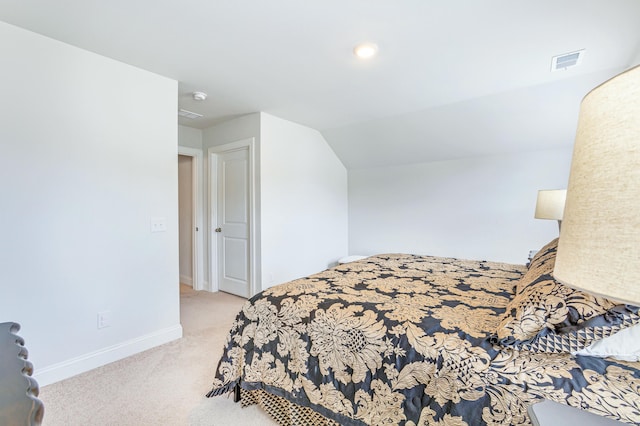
(218, 229)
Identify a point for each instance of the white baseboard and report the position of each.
(186, 280)
(64, 370)
(204, 285)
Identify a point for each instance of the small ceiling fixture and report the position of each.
(199, 96)
(567, 60)
(188, 114)
(365, 50)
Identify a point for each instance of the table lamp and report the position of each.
(599, 246)
(550, 205)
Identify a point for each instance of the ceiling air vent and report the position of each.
(567, 60)
(188, 114)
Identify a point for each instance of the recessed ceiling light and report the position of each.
(365, 50)
(199, 96)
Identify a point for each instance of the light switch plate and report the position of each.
(104, 319)
(158, 224)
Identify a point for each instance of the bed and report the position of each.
(421, 340)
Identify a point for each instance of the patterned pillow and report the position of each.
(573, 339)
(542, 307)
(541, 259)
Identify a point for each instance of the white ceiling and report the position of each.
(453, 78)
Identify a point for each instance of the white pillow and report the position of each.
(624, 345)
(349, 259)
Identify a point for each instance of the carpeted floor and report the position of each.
(162, 386)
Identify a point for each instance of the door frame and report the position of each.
(212, 180)
(197, 244)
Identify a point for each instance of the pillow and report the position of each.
(570, 339)
(542, 306)
(543, 256)
(623, 345)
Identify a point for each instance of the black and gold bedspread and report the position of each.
(404, 339)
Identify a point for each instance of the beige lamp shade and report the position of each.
(599, 247)
(550, 204)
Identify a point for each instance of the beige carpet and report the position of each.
(162, 386)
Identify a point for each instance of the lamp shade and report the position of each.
(550, 204)
(599, 246)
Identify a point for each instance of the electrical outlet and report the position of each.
(104, 319)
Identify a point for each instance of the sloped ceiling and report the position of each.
(452, 78)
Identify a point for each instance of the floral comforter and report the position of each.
(404, 339)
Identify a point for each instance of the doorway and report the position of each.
(232, 217)
(185, 219)
(190, 217)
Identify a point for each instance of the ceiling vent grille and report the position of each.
(188, 114)
(567, 60)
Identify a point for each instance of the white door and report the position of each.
(233, 222)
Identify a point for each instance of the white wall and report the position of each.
(88, 157)
(243, 127)
(477, 208)
(304, 202)
(189, 137)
